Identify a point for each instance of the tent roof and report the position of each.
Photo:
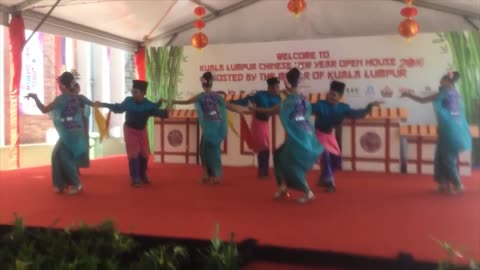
(125, 23)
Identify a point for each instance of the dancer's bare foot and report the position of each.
(203, 180)
(307, 197)
(75, 190)
(443, 188)
(282, 193)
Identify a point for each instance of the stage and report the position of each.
(371, 214)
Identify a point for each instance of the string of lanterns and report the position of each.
(297, 7)
(408, 28)
(199, 39)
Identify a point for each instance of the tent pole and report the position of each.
(41, 22)
(69, 29)
(25, 4)
(471, 23)
(207, 7)
(172, 39)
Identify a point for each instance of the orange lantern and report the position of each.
(199, 24)
(297, 6)
(199, 40)
(409, 12)
(408, 28)
(199, 11)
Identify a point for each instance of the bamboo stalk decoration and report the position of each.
(465, 50)
(163, 73)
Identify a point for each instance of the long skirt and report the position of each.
(136, 142)
(64, 167)
(260, 131)
(445, 167)
(84, 160)
(288, 171)
(211, 158)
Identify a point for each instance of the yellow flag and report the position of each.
(102, 123)
(230, 124)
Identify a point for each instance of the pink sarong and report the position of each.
(136, 142)
(260, 131)
(329, 142)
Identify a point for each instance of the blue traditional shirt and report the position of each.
(137, 113)
(262, 99)
(328, 115)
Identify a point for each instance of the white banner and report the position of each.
(374, 68)
(32, 74)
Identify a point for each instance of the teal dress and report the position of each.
(71, 145)
(212, 117)
(84, 161)
(453, 137)
(301, 149)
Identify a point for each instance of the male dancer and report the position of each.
(330, 113)
(138, 109)
(260, 129)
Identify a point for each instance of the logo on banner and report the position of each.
(387, 92)
(403, 90)
(370, 93)
(175, 138)
(352, 92)
(370, 142)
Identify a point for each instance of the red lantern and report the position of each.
(199, 11)
(408, 28)
(409, 12)
(297, 6)
(199, 24)
(199, 40)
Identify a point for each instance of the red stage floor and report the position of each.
(371, 214)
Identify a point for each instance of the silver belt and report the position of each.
(66, 119)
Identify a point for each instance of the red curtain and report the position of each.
(140, 63)
(17, 41)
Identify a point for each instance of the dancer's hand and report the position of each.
(252, 107)
(97, 104)
(31, 95)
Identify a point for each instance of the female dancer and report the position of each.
(453, 132)
(301, 148)
(212, 116)
(84, 161)
(67, 119)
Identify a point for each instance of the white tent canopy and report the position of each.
(125, 23)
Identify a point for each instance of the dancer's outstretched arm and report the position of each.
(86, 101)
(114, 107)
(184, 102)
(272, 110)
(418, 99)
(236, 108)
(40, 105)
(361, 113)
